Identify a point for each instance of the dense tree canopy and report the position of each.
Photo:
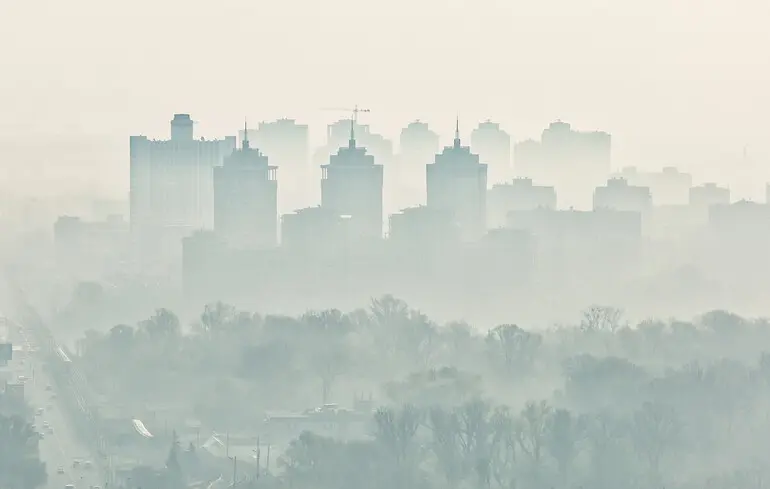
(601, 403)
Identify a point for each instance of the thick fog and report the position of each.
(332, 245)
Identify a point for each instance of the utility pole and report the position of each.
(235, 470)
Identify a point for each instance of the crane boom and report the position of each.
(353, 119)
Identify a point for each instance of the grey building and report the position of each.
(246, 199)
(457, 182)
(493, 145)
(618, 195)
(351, 186)
(520, 194)
(171, 181)
(708, 194)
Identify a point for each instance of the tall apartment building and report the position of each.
(574, 162)
(351, 185)
(286, 144)
(457, 182)
(493, 145)
(246, 199)
(172, 180)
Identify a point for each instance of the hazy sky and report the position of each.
(675, 81)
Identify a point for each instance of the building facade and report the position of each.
(351, 186)
(171, 181)
(457, 182)
(246, 199)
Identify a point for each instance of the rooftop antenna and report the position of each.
(457, 131)
(353, 121)
(245, 134)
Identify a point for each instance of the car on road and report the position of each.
(69, 486)
(39, 411)
(60, 470)
(87, 464)
(48, 387)
(75, 464)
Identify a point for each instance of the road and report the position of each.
(62, 447)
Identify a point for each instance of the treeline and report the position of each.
(661, 403)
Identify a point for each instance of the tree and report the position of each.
(445, 445)
(388, 310)
(561, 441)
(516, 346)
(532, 430)
(601, 319)
(163, 325)
(215, 318)
(20, 465)
(121, 337)
(655, 429)
(503, 453)
(395, 432)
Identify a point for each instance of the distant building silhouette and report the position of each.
(493, 145)
(287, 145)
(708, 194)
(337, 136)
(246, 199)
(172, 181)
(741, 220)
(315, 229)
(418, 144)
(89, 248)
(618, 195)
(668, 186)
(574, 162)
(351, 185)
(424, 227)
(457, 182)
(520, 194)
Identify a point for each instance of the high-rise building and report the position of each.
(246, 199)
(418, 144)
(287, 145)
(618, 195)
(351, 185)
(337, 136)
(575, 162)
(457, 182)
(518, 195)
(172, 180)
(493, 146)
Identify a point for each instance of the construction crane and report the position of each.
(353, 120)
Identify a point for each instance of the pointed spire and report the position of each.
(245, 134)
(353, 117)
(457, 132)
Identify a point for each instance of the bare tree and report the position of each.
(601, 319)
